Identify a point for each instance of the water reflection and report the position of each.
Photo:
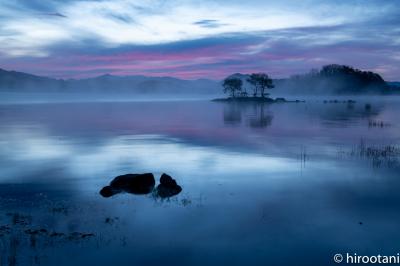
(348, 112)
(248, 196)
(261, 118)
(257, 115)
(232, 114)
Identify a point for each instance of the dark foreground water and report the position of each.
(280, 184)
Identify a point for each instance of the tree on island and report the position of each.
(260, 81)
(232, 85)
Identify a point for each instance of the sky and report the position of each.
(198, 38)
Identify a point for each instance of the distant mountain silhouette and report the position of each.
(12, 81)
(331, 79)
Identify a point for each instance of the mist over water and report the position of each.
(280, 184)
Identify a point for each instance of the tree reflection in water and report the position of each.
(256, 115)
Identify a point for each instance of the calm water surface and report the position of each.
(280, 184)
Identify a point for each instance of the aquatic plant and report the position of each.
(380, 155)
(378, 123)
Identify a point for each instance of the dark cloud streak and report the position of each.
(209, 23)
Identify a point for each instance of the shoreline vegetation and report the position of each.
(253, 87)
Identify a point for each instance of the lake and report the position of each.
(262, 184)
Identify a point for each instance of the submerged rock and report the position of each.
(167, 180)
(130, 183)
(167, 187)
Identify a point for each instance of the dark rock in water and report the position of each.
(134, 183)
(131, 183)
(142, 184)
(108, 191)
(167, 180)
(167, 187)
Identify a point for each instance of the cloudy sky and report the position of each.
(198, 38)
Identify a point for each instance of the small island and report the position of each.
(260, 82)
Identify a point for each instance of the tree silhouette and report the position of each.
(232, 85)
(260, 81)
(253, 81)
(340, 79)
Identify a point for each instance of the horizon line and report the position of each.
(175, 77)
